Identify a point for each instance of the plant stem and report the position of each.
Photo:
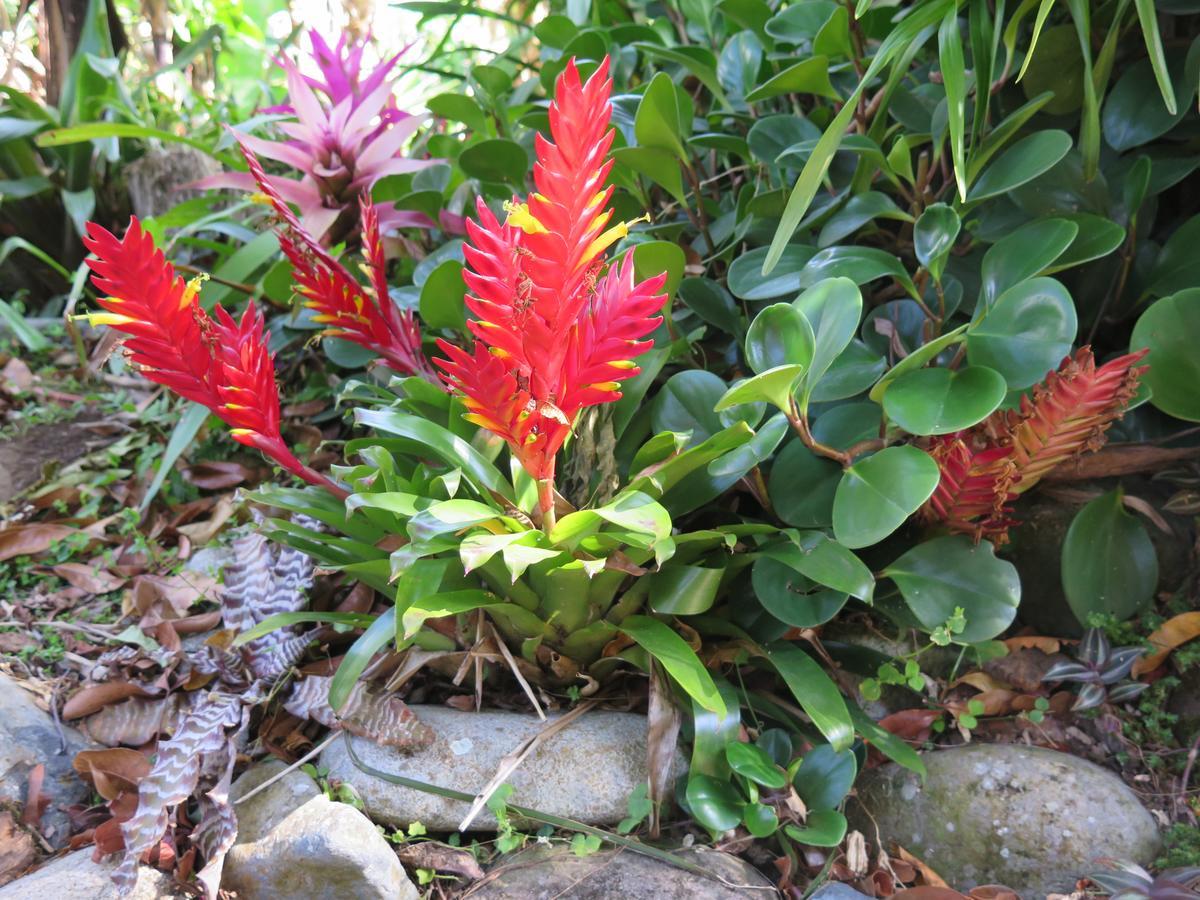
(546, 502)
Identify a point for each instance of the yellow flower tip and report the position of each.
(235, 406)
(192, 289)
(623, 364)
(607, 386)
(239, 433)
(520, 216)
(610, 237)
(105, 318)
(260, 197)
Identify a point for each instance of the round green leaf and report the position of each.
(826, 562)
(878, 493)
(833, 308)
(791, 597)
(859, 264)
(1177, 267)
(773, 386)
(825, 777)
(939, 401)
(685, 403)
(1170, 327)
(714, 803)
(802, 487)
(747, 282)
(934, 235)
(496, 159)
(780, 335)
(822, 828)
(1109, 565)
(1026, 333)
(946, 573)
(684, 590)
(1023, 253)
(760, 820)
(712, 303)
(651, 258)
(1023, 161)
(753, 763)
(442, 297)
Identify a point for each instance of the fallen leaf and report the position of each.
(441, 858)
(166, 596)
(92, 579)
(35, 801)
(1175, 631)
(217, 475)
(202, 532)
(911, 724)
(981, 681)
(30, 540)
(16, 377)
(993, 892)
(932, 879)
(1023, 668)
(13, 642)
(17, 850)
(95, 697)
(112, 772)
(928, 892)
(1045, 644)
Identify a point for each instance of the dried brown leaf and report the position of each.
(112, 772)
(202, 532)
(92, 579)
(441, 858)
(95, 697)
(17, 849)
(218, 475)
(30, 540)
(1172, 633)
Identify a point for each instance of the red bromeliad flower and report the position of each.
(339, 300)
(985, 468)
(219, 362)
(555, 331)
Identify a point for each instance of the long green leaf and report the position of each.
(899, 39)
(283, 620)
(30, 337)
(370, 642)
(1038, 22)
(1154, 46)
(954, 79)
(181, 438)
(815, 692)
(680, 661)
(77, 134)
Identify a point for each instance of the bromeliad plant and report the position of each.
(342, 146)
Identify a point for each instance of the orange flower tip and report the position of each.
(520, 217)
(105, 318)
(610, 237)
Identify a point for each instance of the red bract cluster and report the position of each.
(215, 361)
(556, 332)
(338, 299)
(985, 468)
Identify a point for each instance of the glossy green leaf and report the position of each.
(939, 401)
(751, 762)
(712, 303)
(1109, 565)
(660, 166)
(943, 574)
(652, 258)
(358, 657)
(809, 76)
(714, 803)
(934, 236)
(1097, 237)
(780, 335)
(822, 828)
(497, 160)
(664, 117)
(684, 590)
(1148, 17)
(1177, 267)
(193, 417)
(859, 264)
(802, 487)
(858, 211)
(791, 597)
(31, 339)
(685, 404)
(1022, 162)
(442, 297)
(877, 494)
(679, 660)
(954, 79)
(833, 307)
(459, 108)
(449, 603)
(825, 777)
(1027, 332)
(1170, 328)
(774, 386)
(747, 282)
(1023, 253)
(816, 693)
(94, 131)
(760, 819)
(825, 561)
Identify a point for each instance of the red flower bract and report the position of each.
(218, 362)
(555, 331)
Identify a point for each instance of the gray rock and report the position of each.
(1031, 819)
(835, 890)
(295, 844)
(28, 736)
(585, 772)
(542, 873)
(161, 178)
(1185, 703)
(210, 561)
(76, 877)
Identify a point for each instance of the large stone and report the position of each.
(585, 772)
(1031, 819)
(835, 890)
(295, 844)
(29, 736)
(542, 873)
(76, 877)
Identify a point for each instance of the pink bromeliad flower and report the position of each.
(342, 142)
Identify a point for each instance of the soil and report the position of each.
(26, 458)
